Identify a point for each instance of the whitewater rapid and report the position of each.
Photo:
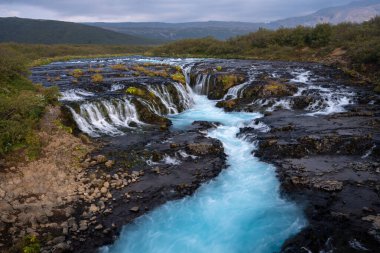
(239, 211)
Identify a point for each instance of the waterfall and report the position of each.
(161, 92)
(105, 117)
(202, 84)
(236, 91)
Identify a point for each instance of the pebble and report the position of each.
(135, 209)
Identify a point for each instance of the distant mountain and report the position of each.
(356, 12)
(57, 32)
(174, 31)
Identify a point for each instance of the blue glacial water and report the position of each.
(239, 211)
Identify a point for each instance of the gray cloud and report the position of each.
(162, 10)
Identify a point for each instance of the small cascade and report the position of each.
(75, 95)
(330, 101)
(236, 91)
(186, 70)
(161, 92)
(105, 117)
(202, 84)
(185, 94)
(117, 86)
(301, 76)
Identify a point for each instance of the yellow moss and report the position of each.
(76, 73)
(274, 87)
(179, 77)
(219, 68)
(120, 67)
(148, 72)
(228, 81)
(135, 91)
(92, 70)
(97, 78)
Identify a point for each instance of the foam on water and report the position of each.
(239, 211)
(75, 95)
(105, 117)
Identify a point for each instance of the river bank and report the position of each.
(318, 128)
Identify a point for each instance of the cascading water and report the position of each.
(75, 95)
(163, 94)
(240, 211)
(105, 117)
(235, 92)
(202, 84)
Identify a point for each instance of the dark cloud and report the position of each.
(162, 10)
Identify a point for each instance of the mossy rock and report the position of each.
(220, 83)
(269, 89)
(179, 77)
(228, 105)
(149, 117)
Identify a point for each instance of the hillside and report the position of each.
(175, 31)
(57, 32)
(349, 46)
(355, 12)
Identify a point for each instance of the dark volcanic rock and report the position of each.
(328, 164)
(167, 165)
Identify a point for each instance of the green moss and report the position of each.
(229, 80)
(136, 91)
(179, 77)
(219, 68)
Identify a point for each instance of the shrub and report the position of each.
(97, 78)
(21, 105)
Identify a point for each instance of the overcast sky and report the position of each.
(162, 10)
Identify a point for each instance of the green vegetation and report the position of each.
(229, 80)
(353, 47)
(97, 78)
(38, 54)
(149, 72)
(23, 30)
(135, 91)
(178, 77)
(32, 245)
(27, 244)
(21, 105)
(219, 68)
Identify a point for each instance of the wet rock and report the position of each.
(134, 209)
(99, 227)
(202, 148)
(329, 185)
(269, 89)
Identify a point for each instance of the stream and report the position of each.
(239, 211)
